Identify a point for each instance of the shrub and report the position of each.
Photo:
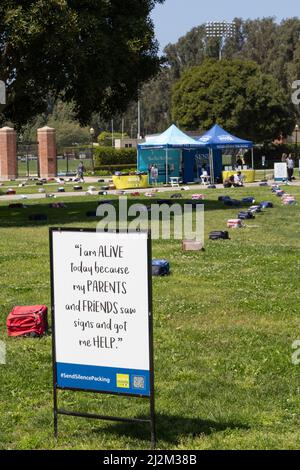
(111, 156)
(110, 170)
(105, 138)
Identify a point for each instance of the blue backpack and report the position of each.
(160, 267)
(248, 200)
(266, 205)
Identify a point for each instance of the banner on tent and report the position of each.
(165, 160)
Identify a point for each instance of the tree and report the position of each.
(62, 118)
(105, 138)
(235, 94)
(94, 53)
(275, 47)
(188, 51)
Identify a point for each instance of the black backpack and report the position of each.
(219, 235)
(246, 215)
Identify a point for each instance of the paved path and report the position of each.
(193, 187)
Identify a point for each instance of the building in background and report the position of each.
(127, 143)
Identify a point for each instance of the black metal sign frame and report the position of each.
(60, 411)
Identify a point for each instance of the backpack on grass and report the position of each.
(266, 205)
(248, 200)
(219, 235)
(255, 209)
(27, 321)
(246, 215)
(160, 267)
(234, 223)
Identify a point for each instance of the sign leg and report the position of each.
(152, 418)
(55, 413)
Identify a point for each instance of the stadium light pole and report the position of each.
(92, 133)
(221, 30)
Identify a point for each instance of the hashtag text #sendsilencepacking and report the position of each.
(84, 377)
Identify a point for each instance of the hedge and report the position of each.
(111, 169)
(112, 156)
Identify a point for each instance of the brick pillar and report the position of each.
(8, 153)
(47, 152)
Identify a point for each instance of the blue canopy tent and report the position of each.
(173, 152)
(216, 140)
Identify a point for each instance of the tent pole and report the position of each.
(167, 165)
(211, 162)
(252, 158)
(181, 165)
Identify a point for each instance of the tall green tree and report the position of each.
(235, 94)
(94, 53)
(274, 46)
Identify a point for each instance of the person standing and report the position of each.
(80, 171)
(154, 174)
(290, 166)
(149, 171)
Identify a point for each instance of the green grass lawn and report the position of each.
(224, 324)
(51, 187)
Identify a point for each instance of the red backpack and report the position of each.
(29, 320)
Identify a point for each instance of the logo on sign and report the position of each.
(123, 381)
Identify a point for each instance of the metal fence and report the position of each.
(27, 158)
(68, 160)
